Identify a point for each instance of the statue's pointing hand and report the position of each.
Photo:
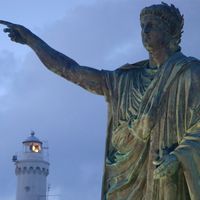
(17, 33)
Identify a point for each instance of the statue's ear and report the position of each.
(174, 44)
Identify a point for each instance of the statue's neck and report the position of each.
(158, 57)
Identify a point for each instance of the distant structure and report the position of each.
(32, 169)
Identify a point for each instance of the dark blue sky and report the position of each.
(96, 33)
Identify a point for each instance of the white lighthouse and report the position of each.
(32, 169)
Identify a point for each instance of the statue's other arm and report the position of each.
(88, 78)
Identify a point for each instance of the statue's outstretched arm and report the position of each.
(88, 78)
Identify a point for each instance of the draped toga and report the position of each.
(150, 113)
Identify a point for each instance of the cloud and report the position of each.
(10, 197)
(91, 32)
(9, 68)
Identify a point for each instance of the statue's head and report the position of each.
(169, 19)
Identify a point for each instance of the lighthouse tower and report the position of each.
(32, 169)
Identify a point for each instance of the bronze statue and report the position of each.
(153, 140)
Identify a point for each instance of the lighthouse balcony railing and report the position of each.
(31, 156)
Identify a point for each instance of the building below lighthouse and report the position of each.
(32, 169)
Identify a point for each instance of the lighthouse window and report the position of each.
(27, 188)
(35, 148)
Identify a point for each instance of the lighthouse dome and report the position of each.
(32, 138)
(32, 144)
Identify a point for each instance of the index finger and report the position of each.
(9, 24)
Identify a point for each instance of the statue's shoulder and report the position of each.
(137, 65)
(194, 65)
(183, 62)
(192, 60)
(189, 65)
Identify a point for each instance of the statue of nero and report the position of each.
(153, 139)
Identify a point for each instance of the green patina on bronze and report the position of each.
(153, 138)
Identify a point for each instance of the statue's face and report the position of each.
(155, 34)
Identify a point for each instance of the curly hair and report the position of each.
(172, 18)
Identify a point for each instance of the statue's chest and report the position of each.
(129, 94)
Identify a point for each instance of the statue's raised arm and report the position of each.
(86, 77)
